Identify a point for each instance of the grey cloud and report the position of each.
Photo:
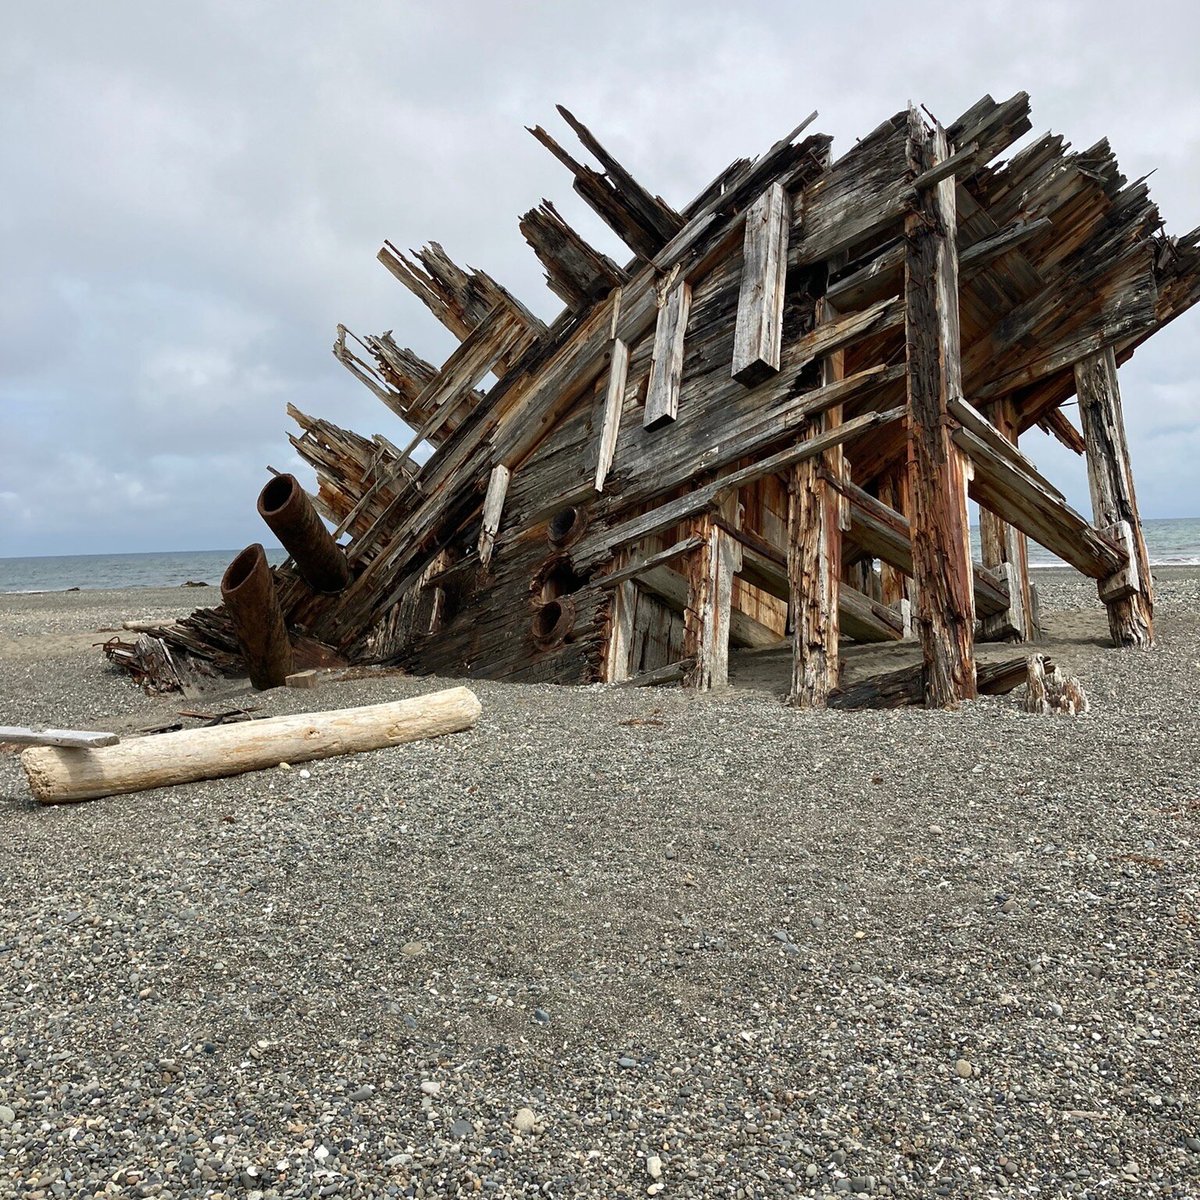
(196, 194)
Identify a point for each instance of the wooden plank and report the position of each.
(493, 507)
(1023, 501)
(906, 685)
(944, 611)
(597, 544)
(666, 370)
(620, 632)
(758, 331)
(578, 274)
(886, 534)
(614, 401)
(1004, 550)
(1057, 423)
(671, 673)
(77, 739)
(685, 546)
(1114, 502)
(672, 587)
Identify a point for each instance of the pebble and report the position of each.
(7, 1116)
(654, 1166)
(363, 1093)
(431, 1087)
(461, 1127)
(964, 1068)
(524, 1120)
(626, 1063)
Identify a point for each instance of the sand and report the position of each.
(708, 942)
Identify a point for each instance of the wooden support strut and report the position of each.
(945, 603)
(815, 557)
(1127, 593)
(1004, 549)
(758, 332)
(666, 370)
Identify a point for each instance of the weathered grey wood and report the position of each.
(671, 673)
(79, 739)
(595, 546)
(1055, 422)
(1003, 550)
(1110, 480)
(666, 371)
(758, 330)
(944, 601)
(1052, 691)
(57, 776)
(707, 619)
(493, 507)
(673, 588)
(906, 685)
(1023, 500)
(576, 272)
(684, 546)
(614, 400)
(620, 637)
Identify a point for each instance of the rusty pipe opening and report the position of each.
(290, 514)
(248, 591)
(566, 526)
(241, 569)
(553, 621)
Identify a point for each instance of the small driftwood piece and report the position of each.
(58, 776)
(1052, 691)
(79, 739)
(671, 673)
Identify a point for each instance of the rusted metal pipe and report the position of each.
(248, 590)
(286, 508)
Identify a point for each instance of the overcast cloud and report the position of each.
(194, 194)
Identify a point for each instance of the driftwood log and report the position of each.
(58, 776)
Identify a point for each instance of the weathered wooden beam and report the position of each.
(575, 272)
(758, 330)
(1056, 422)
(666, 369)
(906, 686)
(1004, 549)
(629, 571)
(622, 610)
(1025, 501)
(944, 611)
(597, 544)
(459, 299)
(815, 556)
(1114, 502)
(493, 507)
(614, 401)
(671, 673)
(886, 534)
(674, 589)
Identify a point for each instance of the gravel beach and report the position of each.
(615, 943)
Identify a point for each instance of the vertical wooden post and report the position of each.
(815, 520)
(893, 491)
(711, 569)
(942, 573)
(1005, 549)
(1110, 479)
(620, 632)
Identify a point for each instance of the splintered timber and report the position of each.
(762, 428)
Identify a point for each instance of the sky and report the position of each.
(194, 195)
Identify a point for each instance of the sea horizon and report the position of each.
(1170, 542)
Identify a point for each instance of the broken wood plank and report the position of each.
(671, 673)
(1056, 423)
(493, 507)
(76, 739)
(666, 371)
(302, 679)
(59, 776)
(575, 272)
(614, 401)
(907, 686)
(685, 546)
(1114, 503)
(758, 330)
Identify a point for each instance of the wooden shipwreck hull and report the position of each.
(764, 425)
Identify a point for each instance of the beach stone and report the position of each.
(654, 1166)
(7, 1116)
(524, 1120)
(461, 1128)
(363, 1093)
(1193, 1144)
(626, 1063)
(964, 1068)
(431, 1087)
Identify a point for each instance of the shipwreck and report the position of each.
(762, 429)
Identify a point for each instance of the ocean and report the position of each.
(1170, 543)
